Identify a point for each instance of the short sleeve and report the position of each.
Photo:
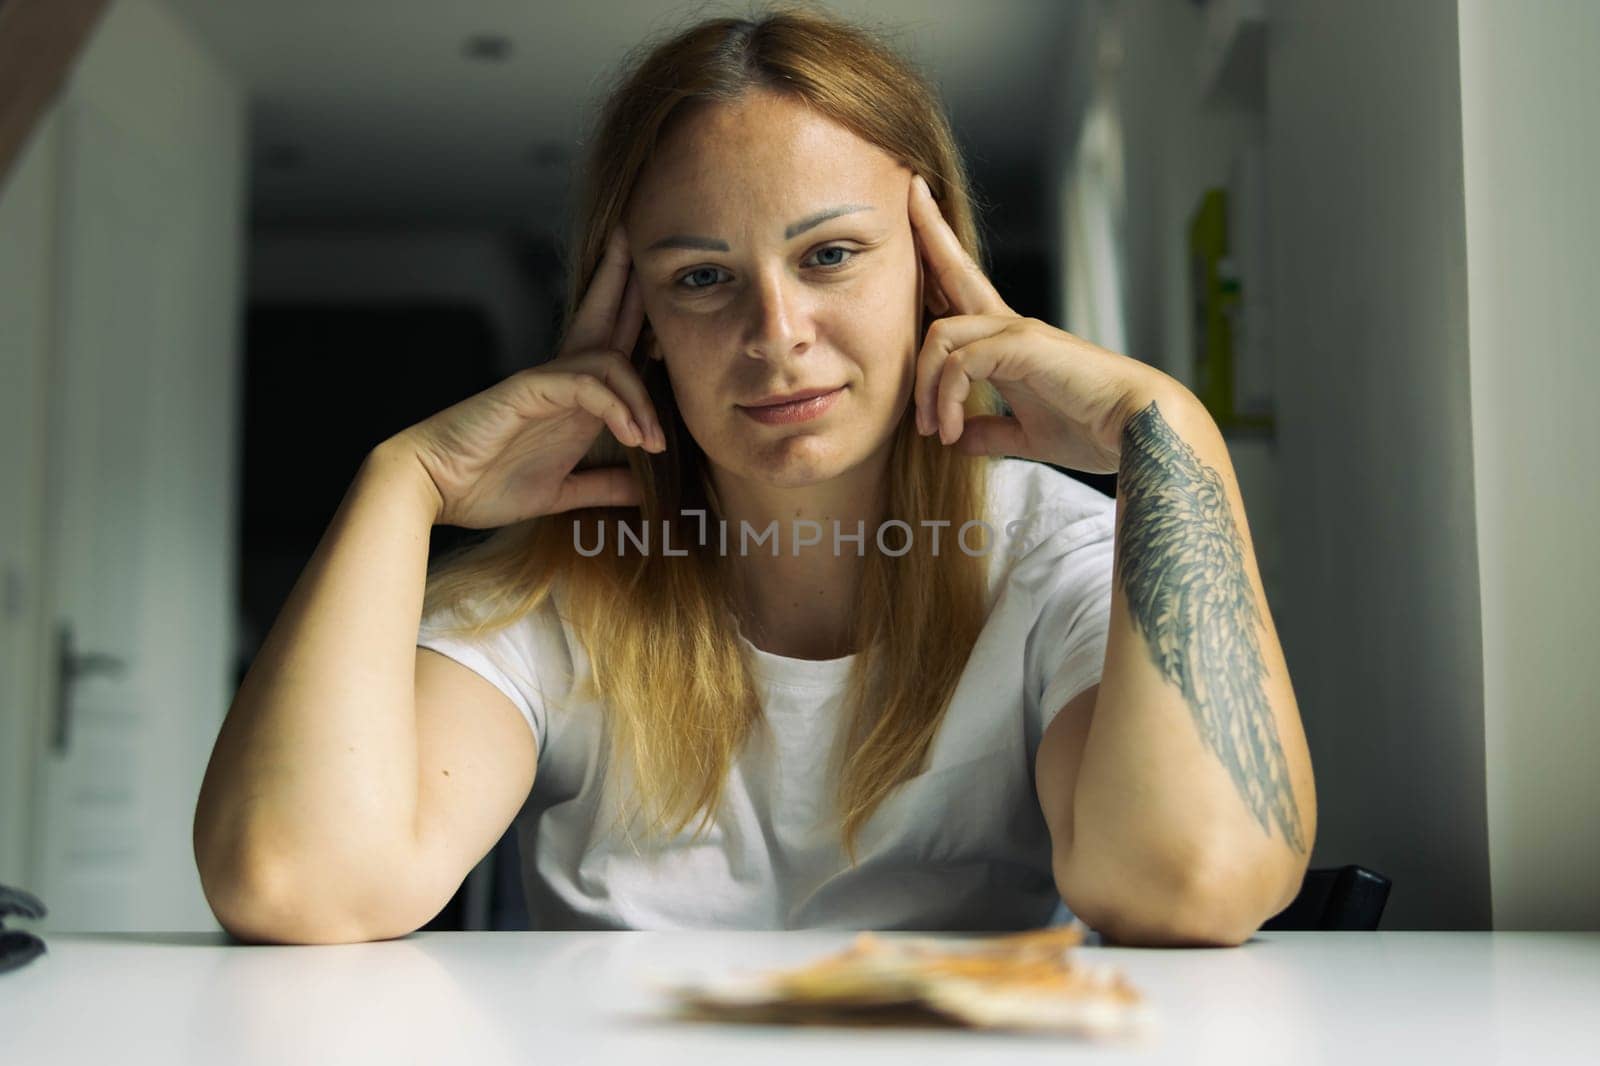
(505, 658)
(1074, 611)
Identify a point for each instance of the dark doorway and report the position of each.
(323, 386)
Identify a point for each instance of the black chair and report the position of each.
(1346, 898)
(18, 947)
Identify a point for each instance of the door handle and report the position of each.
(72, 665)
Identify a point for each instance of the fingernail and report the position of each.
(638, 434)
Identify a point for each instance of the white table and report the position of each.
(559, 998)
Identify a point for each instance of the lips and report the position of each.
(778, 399)
(794, 407)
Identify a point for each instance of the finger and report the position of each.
(587, 392)
(607, 486)
(618, 375)
(994, 435)
(944, 337)
(955, 385)
(976, 361)
(596, 317)
(959, 278)
(630, 317)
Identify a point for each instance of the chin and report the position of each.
(791, 460)
(794, 462)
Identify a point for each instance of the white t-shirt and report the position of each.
(962, 845)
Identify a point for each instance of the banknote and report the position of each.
(1024, 981)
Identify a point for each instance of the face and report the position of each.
(775, 256)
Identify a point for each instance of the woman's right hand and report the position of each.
(508, 453)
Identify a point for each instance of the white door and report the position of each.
(105, 781)
(27, 197)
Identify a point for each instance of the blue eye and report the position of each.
(705, 277)
(685, 280)
(835, 248)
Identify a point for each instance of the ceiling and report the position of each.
(371, 112)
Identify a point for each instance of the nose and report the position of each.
(780, 317)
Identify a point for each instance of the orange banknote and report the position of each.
(1023, 981)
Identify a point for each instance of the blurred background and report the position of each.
(243, 242)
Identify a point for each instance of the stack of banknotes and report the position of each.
(1021, 981)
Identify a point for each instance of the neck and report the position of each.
(800, 603)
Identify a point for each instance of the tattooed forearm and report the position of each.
(1183, 573)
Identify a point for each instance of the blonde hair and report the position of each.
(659, 630)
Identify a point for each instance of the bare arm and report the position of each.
(1187, 809)
(356, 779)
(309, 806)
(1179, 795)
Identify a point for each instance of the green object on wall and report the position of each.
(1214, 290)
(1218, 301)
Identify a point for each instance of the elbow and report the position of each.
(260, 901)
(264, 891)
(1135, 906)
(1173, 920)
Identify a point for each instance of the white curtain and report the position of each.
(1093, 232)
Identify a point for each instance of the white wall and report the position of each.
(1370, 292)
(1528, 86)
(462, 266)
(144, 71)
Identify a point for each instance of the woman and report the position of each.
(777, 696)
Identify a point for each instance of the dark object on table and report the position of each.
(1346, 898)
(18, 948)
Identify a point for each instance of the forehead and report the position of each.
(763, 152)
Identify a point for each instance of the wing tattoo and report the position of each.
(1183, 573)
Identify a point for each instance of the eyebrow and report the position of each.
(794, 229)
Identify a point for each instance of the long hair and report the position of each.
(659, 630)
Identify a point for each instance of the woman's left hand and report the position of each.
(1069, 398)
